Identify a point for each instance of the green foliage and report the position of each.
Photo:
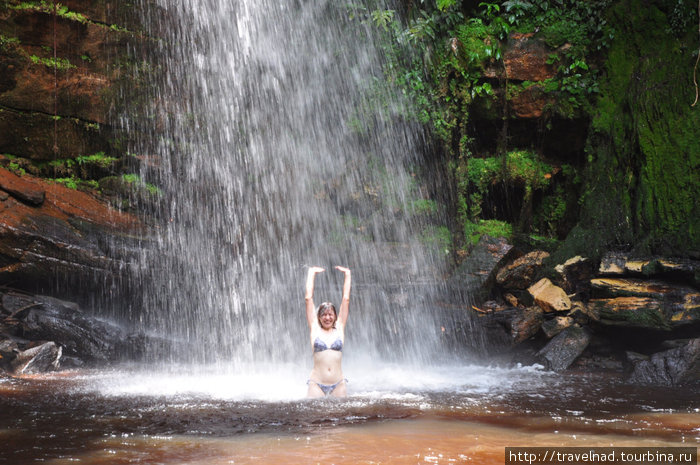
(135, 179)
(6, 43)
(76, 183)
(437, 237)
(424, 207)
(16, 168)
(494, 228)
(99, 159)
(58, 63)
(131, 178)
(641, 180)
(445, 4)
(48, 7)
(550, 213)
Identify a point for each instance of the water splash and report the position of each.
(269, 162)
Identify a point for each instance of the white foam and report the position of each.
(288, 382)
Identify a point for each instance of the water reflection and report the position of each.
(130, 416)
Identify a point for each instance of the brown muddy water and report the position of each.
(397, 415)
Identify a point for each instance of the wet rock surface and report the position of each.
(564, 349)
(638, 318)
(42, 333)
(673, 367)
(71, 236)
(477, 274)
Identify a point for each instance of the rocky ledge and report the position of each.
(42, 333)
(53, 237)
(637, 317)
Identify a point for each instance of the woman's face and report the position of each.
(327, 318)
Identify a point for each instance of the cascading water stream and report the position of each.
(268, 164)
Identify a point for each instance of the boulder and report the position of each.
(673, 367)
(39, 359)
(582, 313)
(25, 190)
(616, 264)
(520, 273)
(556, 325)
(633, 312)
(628, 287)
(475, 277)
(526, 325)
(549, 297)
(564, 348)
(613, 263)
(575, 274)
(63, 322)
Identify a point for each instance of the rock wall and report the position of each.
(66, 71)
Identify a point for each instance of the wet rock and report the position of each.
(530, 102)
(564, 348)
(556, 325)
(627, 287)
(520, 273)
(8, 351)
(549, 297)
(575, 275)
(678, 268)
(582, 314)
(525, 58)
(673, 367)
(526, 324)
(31, 136)
(47, 246)
(22, 189)
(475, 277)
(512, 300)
(40, 359)
(81, 336)
(634, 312)
(613, 263)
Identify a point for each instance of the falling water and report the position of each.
(270, 161)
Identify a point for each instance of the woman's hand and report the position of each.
(316, 269)
(345, 302)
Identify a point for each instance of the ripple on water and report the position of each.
(132, 414)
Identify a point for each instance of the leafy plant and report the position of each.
(58, 63)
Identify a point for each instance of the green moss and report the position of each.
(16, 168)
(76, 183)
(98, 159)
(135, 179)
(48, 7)
(439, 238)
(644, 150)
(8, 43)
(494, 228)
(58, 63)
(424, 207)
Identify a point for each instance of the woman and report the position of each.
(327, 333)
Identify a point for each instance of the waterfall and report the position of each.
(269, 160)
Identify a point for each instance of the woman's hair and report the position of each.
(322, 309)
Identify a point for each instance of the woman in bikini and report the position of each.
(327, 333)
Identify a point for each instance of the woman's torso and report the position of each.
(327, 355)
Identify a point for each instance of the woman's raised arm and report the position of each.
(345, 302)
(309, 295)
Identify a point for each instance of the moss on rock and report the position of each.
(644, 149)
